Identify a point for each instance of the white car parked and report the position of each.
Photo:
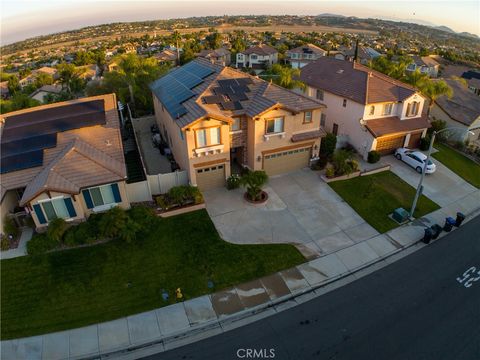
(415, 159)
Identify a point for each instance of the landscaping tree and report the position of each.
(253, 181)
(177, 37)
(214, 40)
(328, 144)
(433, 90)
(112, 223)
(56, 229)
(69, 77)
(43, 79)
(343, 162)
(286, 77)
(13, 84)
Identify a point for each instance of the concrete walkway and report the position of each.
(21, 250)
(176, 325)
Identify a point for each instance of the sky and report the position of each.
(21, 19)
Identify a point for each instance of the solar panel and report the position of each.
(198, 70)
(188, 79)
(34, 143)
(213, 99)
(227, 83)
(227, 105)
(245, 81)
(21, 161)
(238, 97)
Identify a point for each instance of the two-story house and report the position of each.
(217, 119)
(219, 56)
(302, 55)
(424, 64)
(365, 54)
(257, 57)
(63, 160)
(365, 108)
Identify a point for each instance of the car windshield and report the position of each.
(429, 162)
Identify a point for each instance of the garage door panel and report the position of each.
(414, 141)
(286, 161)
(388, 145)
(211, 177)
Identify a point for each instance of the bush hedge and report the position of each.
(373, 157)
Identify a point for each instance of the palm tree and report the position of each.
(176, 37)
(253, 181)
(286, 77)
(69, 77)
(433, 90)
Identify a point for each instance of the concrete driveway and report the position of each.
(443, 187)
(301, 209)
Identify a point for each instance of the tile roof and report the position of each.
(315, 134)
(424, 61)
(463, 106)
(261, 49)
(262, 95)
(307, 49)
(354, 81)
(393, 125)
(206, 53)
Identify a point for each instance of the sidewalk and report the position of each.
(176, 325)
(21, 250)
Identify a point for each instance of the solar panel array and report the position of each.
(176, 87)
(26, 135)
(229, 93)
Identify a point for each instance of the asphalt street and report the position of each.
(421, 307)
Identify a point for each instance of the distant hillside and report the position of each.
(445, 28)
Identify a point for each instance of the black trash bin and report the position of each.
(437, 229)
(459, 219)
(427, 237)
(449, 222)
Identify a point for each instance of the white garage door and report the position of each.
(211, 177)
(286, 161)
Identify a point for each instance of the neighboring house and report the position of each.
(28, 80)
(48, 70)
(461, 110)
(166, 57)
(365, 108)
(302, 55)
(45, 90)
(425, 64)
(473, 80)
(365, 54)
(87, 72)
(217, 120)
(4, 92)
(219, 56)
(257, 57)
(63, 160)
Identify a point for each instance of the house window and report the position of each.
(335, 129)
(215, 136)
(344, 102)
(49, 210)
(412, 108)
(201, 138)
(235, 125)
(294, 55)
(307, 117)
(372, 110)
(387, 109)
(102, 195)
(323, 120)
(319, 94)
(274, 126)
(253, 57)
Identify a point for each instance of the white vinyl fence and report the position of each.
(155, 184)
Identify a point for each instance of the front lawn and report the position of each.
(72, 288)
(375, 196)
(461, 165)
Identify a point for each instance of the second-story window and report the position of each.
(307, 117)
(412, 108)
(319, 95)
(387, 109)
(323, 120)
(208, 137)
(274, 126)
(201, 138)
(344, 103)
(215, 136)
(253, 57)
(372, 110)
(235, 125)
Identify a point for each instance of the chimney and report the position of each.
(355, 57)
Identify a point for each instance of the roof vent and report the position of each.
(340, 71)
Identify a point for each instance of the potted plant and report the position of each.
(253, 181)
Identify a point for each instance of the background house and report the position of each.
(219, 120)
(302, 55)
(257, 57)
(45, 90)
(365, 54)
(219, 56)
(365, 108)
(62, 160)
(473, 80)
(425, 64)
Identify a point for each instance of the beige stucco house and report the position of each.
(63, 160)
(217, 119)
(302, 55)
(365, 108)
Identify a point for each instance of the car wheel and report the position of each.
(398, 156)
(419, 169)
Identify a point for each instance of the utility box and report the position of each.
(400, 215)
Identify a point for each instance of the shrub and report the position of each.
(425, 143)
(373, 157)
(130, 230)
(56, 229)
(162, 202)
(4, 243)
(437, 125)
(233, 182)
(459, 145)
(329, 171)
(343, 163)
(41, 243)
(9, 227)
(177, 195)
(328, 144)
(349, 147)
(253, 181)
(112, 222)
(142, 215)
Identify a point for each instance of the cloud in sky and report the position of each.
(25, 18)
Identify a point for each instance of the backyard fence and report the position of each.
(155, 184)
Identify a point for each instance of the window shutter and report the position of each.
(116, 193)
(88, 199)
(71, 210)
(39, 212)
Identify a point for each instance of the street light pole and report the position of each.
(422, 176)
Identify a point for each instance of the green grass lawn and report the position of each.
(461, 165)
(375, 196)
(77, 287)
